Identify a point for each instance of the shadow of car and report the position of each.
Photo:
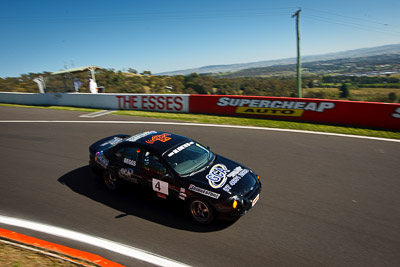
(136, 201)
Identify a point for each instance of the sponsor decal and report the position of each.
(182, 193)
(396, 113)
(113, 142)
(273, 107)
(203, 191)
(227, 188)
(180, 148)
(270, 111)
(235, 171)
(126, 174)
(237, 174)
(161, 137)
(255, 200)
(130, 162)
(217, 175)
(136, 137)
(101, 159)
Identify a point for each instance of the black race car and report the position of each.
(176, 166)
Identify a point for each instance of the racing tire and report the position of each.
(110, 181)
(201, 211)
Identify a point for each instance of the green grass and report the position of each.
(223, 120)
(51, 107)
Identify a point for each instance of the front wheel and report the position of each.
(201, 211)
(110, 180)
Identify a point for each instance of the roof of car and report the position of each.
(159, 141)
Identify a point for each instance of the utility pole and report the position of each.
(299, 91)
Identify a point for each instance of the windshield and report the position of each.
(189, 158)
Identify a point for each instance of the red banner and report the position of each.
(336, 112)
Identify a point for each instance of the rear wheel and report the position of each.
(110, 180)
(201, 211)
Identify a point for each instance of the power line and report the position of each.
(197, 14)
(352, 22)
(352, 25)
(353, 18)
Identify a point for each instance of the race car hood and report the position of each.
(226, 177)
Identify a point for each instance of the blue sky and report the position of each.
(162, 36)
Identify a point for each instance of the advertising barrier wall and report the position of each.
(351, 113)
(156, 102)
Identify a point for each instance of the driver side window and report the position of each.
(153, 165)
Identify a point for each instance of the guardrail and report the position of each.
(336, 112)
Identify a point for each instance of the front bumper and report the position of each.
(245, 204)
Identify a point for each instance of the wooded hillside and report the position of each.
(314, 86)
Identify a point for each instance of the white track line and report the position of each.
(97, 114)
(206, 125)
(94, 241)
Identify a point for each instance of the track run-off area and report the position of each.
(327, 200)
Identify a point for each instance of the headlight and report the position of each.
(234, 204)
(237, 203)
(256, 175)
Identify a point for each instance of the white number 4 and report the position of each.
(160, 186)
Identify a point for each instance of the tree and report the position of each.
(310, 84)
(156, 84)
(146, 72)
(130, 70)
(176, 82)
(344, 91)
(393, 97)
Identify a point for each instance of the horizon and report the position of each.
(304, 56)
(165, 37)
(207, 66)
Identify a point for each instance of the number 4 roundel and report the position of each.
(160, 186)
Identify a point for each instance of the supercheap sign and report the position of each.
(273, 107)
(363, 114)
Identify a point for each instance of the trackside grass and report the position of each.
(223, 120)
(14, 256)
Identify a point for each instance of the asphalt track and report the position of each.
(326, 200)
